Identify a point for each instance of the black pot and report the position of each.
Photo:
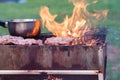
(23, 27)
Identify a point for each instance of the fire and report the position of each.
(75, 26)
(36, 28)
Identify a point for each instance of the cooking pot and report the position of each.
(23, 27)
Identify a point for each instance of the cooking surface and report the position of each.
(49, 39)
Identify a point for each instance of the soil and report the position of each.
(113, 54)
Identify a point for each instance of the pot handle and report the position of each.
(4, 23)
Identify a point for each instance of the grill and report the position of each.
(79, 61)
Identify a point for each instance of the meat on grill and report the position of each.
(59, 40)
(8, 39)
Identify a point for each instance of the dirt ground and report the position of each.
(113, 54)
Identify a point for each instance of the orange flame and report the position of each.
(36, 28)
(77, 25)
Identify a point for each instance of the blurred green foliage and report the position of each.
(62, 8)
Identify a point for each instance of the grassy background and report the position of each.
(63, 7)
(32, 7)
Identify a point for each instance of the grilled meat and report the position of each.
(8, 39)
(59, 40)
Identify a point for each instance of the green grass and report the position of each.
(62, 8)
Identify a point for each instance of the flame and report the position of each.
(77, 25)
(36, 28)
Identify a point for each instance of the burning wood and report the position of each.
(7, 39)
